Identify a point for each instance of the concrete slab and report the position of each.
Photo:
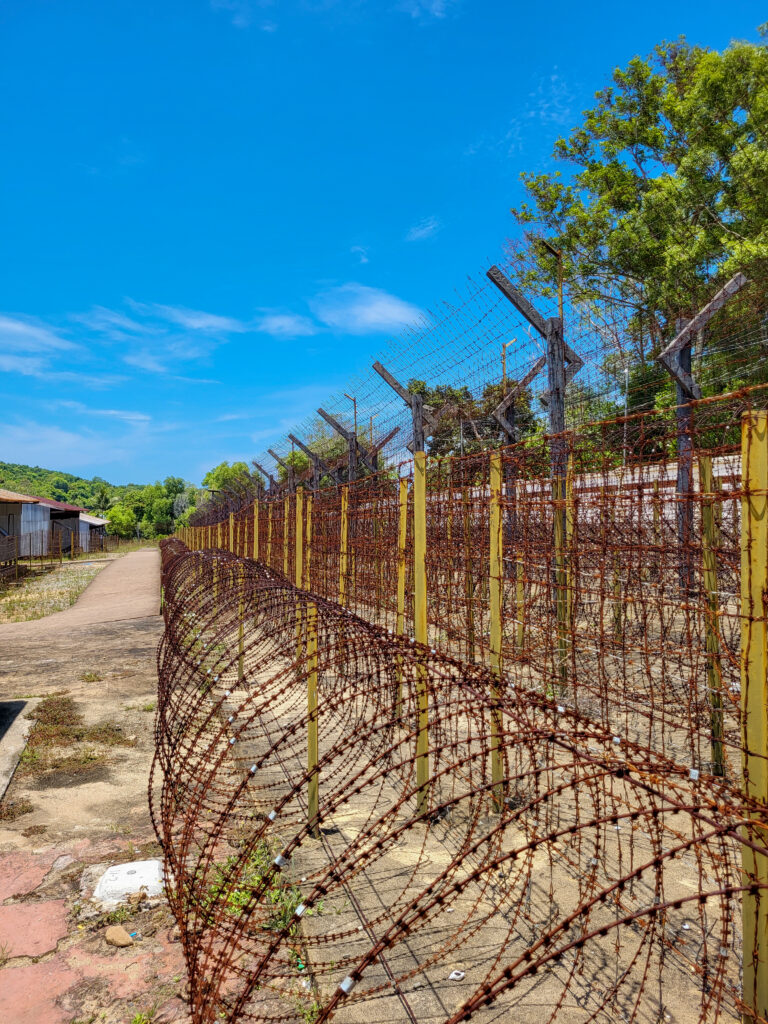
(120, 881)
(15, 727)
(31, 929)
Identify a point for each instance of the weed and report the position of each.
(149, 707)
(30, 757)
(117, 916)
(58, 724)
(284, 897)
(56, 711)
(142, 1018)
(14, 809)
(91, 677)
(309, 1012)
(5, 953)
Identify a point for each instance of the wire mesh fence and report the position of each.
(483, 737)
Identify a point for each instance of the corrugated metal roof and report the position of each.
(60, 506)
(92, 520)
(12, 496)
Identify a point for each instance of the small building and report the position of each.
(97, 527)
(24, 517)
(64, 524)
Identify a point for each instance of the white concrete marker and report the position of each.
(118, 882)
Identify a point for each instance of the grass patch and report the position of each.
(41, 595)
(60, 739)
(149, 707)
(91, 677)
(10, 810)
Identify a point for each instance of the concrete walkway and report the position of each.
(128, 588)
(80, 818)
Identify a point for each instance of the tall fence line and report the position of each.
(596, 638)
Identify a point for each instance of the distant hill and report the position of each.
(52, 483)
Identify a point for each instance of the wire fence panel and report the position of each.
(554, 808)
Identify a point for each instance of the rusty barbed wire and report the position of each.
(548, 810)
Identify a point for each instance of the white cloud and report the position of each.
(41, 444)
(191, 319)
(145, 361)
(286, 325)
(111, 322)
(423, 9)
(126, 415)
(26, 365)
(361, 252)
(426, 228)
(17, 335)
(358, 309)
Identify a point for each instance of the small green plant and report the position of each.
(142, 1018)
(91, 677)
(117, 916)
(5, 953)
(149, 707)
(309, 1012)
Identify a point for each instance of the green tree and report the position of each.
(226, 477)
(662, 196)
(122, 521)
(467, 423)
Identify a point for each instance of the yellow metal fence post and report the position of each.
(269, 534)
(256, 530)
(402, 536)
(313, 787)
(286, 516)
(343, 546)
(420, 621)
(495, 584)
(754, 701)
(232, 531)
(711, 624)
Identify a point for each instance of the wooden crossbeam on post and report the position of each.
(319, 466)
(562, 365)
(266, 473)
(356, 446)
(288, 469)
(676, 360)
(425, 418)
(754, 702)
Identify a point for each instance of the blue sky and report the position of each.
(214, 211)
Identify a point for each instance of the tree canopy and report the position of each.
(663, 189)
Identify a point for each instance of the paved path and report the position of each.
(80, 820)
(128, 588)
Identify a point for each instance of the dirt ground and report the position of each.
(82, 807)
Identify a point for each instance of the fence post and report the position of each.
(286, 515)
(420, 620)
(240, 576)
(711, 624)
(343, 546)
(754, 672)
(256, 530)
(313, 784)
(402, 536)
(469, 592)
(270, 505)
(495, 583)
(232, 532)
